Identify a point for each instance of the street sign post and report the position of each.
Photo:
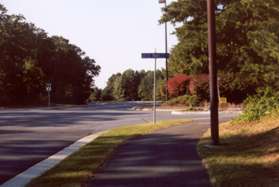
(48, 89)
(154, 56)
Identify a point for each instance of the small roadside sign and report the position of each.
(48, 87)
(155, 55)
(223, 100)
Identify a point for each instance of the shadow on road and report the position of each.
(51, 119)
(31, 152)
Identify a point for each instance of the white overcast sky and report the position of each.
(113, 32)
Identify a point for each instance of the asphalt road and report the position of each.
(28, 136)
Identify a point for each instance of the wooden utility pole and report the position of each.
(214, 100)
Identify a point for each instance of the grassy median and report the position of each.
(79, 167)
(248, 156)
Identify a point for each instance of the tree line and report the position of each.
(247, 50)
(29, 59)
(131, 85)
(247, 43)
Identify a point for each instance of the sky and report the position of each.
(113, 32)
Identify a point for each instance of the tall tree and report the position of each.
(146, 86)
(29, 59)
(130, 82)
(133, 85)
(247, 43)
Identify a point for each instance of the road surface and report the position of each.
(28, 136)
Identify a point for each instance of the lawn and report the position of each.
(248, 156)
(79, 167)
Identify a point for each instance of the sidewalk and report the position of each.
(165, 158)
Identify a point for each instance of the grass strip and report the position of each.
(77, 168)
(248, 156)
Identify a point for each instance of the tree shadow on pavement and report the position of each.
(149, 160)
(154, 160)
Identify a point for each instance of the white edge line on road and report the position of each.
(38, 169)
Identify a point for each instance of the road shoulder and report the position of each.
(38, 169)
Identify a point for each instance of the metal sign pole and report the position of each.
(154, 93)
(48, 89)
(154, 56)
(48, 98)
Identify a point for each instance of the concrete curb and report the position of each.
(38, 169)
(158, 110)
(183, 113)
(202, 112)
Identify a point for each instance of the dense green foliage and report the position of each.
(186, 100)
(202, 91)
(259, 105)
(96, 94)
(247, 43)
(134, 85)
(29, 59)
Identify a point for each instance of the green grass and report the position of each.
(248, 156)
(79, 167)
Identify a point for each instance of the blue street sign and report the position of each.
(155, 55)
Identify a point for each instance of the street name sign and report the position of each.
(155, 55)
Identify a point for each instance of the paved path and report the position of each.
(165, 158)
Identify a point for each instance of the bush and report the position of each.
(178, 85)
(259, 105)
(186, 100)
(202, 90)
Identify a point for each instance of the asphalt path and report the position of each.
(166, 158)
(28, 136)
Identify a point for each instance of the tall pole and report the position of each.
(48, 89)
(154, 92)
(48, 93)
(214, 101)
(166, 50)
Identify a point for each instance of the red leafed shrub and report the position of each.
(178, 85)
(197, 80)
(181, 84)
